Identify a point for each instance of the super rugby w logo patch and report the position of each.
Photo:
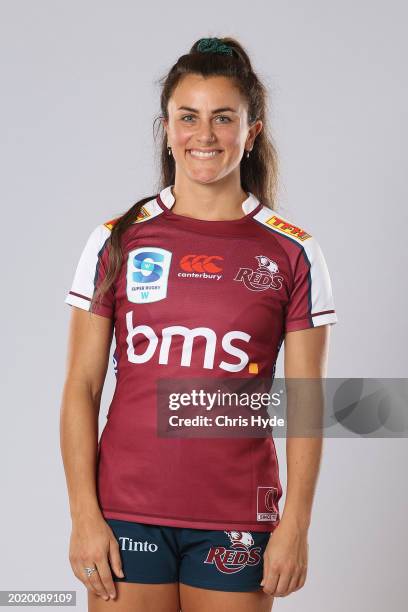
(147, 274)
(238, 555)
(266, 275)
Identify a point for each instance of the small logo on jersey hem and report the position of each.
(266, 275)
(238, 555)
(266, 509)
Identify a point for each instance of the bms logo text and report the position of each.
(175, 334)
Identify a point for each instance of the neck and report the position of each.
(221, 201)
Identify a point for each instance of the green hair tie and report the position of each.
(213, 45)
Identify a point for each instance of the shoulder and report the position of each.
(98, 236)
(148, 210)
(282, 226)
(292, 238)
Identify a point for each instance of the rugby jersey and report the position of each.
(197, 298)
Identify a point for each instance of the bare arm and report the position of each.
(286, 556)
(92, 540)
(89, 343)
(305, 357)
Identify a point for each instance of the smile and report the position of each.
(203, 154)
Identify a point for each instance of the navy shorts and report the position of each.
(219, 560)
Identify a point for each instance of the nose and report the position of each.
(206, 133)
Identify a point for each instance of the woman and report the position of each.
(201, 280)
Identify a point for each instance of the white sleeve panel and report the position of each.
(312, 302)
(88, 268)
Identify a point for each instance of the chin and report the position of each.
(204, 179)
(202, 176)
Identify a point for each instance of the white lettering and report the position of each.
(132, 332)
(232, 350)
(189, 335)
(129, 544)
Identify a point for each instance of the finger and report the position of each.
(302, 579)
(96, 582)
(105, 575)
(271, 581)
(265, 571)
(283, 583)
(294, 582)
(81, 574)
(115, 560)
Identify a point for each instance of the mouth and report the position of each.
(204, 153)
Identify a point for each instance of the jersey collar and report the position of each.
(248, 205)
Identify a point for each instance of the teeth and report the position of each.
(202, 153)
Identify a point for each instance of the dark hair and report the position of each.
(259, 172)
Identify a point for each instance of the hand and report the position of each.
(285, 560)
(92, 541)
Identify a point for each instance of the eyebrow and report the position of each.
(217, 110)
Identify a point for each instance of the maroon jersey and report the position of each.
(197, 298)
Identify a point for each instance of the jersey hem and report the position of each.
(191, 524)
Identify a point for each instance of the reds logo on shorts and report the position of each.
(237, 556)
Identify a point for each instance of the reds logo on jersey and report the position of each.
(237, 556)
(264, 277)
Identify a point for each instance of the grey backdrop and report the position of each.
(78, 98)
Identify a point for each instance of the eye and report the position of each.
(224, 117)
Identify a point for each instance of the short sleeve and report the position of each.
(90, 272)
(311, 301)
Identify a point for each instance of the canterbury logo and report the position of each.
(200, 263)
